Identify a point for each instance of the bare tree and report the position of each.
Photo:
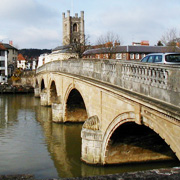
(108, 43)
(170, 39)
(80, 47)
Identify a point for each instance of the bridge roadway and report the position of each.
(130, 109)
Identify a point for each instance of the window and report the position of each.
(145, 59)
(75, 27)
(2, 64)
(2, 73)
(158, 58)
(143, 55)
(119, 56)
(137, 56)
(2, 53)
(173, 58)
(131, 56)
(151, 59)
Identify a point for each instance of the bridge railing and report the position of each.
(157, 81)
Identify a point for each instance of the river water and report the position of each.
(31, 144)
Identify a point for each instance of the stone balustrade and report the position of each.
(157, 81)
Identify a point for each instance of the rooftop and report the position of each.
(131, 49)
(2, 47)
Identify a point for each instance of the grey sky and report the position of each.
(38, 23)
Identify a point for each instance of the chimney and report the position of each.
(11, 43)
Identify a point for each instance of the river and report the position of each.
(31, 144)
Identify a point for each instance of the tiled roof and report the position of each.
(130, 49)
(8, 46)
(64, 49)
(2, 47)
(20, 57)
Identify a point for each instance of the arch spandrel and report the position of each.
(162, 125)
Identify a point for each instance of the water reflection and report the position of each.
(22, 140)
(31, 143)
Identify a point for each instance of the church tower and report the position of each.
(73, 28)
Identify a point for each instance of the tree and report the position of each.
(108, 43)
(80, 47)
(170, 39)
(159, 43)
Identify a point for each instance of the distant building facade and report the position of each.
(21, 62)
(26, 63)
(73, 28)
(3, 64)
(12, 57)
(130, 52)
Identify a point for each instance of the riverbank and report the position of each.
(5, 88)
(156, 174)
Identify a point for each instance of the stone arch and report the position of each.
(42, 87)
(53, 93)
(124, 120)
(74, 105)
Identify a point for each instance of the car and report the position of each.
(163, 58)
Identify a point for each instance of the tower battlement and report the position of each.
(73, 28)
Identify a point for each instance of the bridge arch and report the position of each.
(53, 94)
(122, 118)
(42, 85)
(169, 135)
(126, 141)
(36, 88)
(74, 105)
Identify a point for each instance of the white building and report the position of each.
(21, 62)
(43, 59)
(59, 53)
(3, 64)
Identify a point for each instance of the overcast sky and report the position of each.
(38, 23)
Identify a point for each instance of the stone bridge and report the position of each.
(130, 110)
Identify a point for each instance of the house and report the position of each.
(130, 52)
(32, 63)
(21, 62)
(3, 64)
(12, 57)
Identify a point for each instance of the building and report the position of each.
(3, 64)
(130, 52)
(12, 57)
(73, 28)
(21, 62)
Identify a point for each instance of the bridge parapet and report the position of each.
(157, 81)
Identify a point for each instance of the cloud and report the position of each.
(136, 20)
(38, 37)
(24, 12)
(38, 23)
(29, 23)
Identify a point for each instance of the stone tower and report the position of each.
(73, 28)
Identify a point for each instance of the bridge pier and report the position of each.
(92, 138)
(36, 92)
(57, 112)
(91, 146)
(44, 98)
